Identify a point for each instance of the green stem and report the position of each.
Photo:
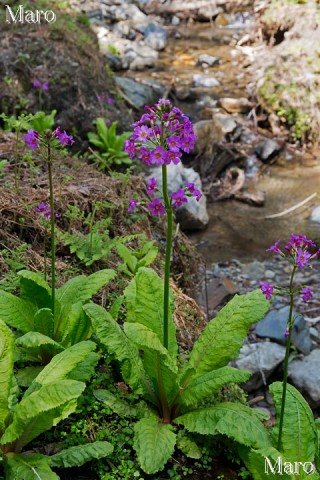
(16, 181)
(167, 257)
(286, 360)
(45, 256)
(90, 229)
(53, 251)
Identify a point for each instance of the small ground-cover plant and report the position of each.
(110, 145)
(146, 346)
(51, 397)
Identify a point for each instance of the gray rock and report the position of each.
(274, 325)
(155, 36)
(192, 215)
(144, 56)
(315, 215)
(208, 60)
(254, 270)
(261, 359)
(114, 61)
(205, 81)
(235, 105)
(138, 94)
(267, 150)
(305, 375)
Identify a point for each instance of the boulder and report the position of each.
(315, 215)
(208, 60)
(235, 105)
(274, 325)
(261, 359)
(268, 150)
(155, 36)
(137, 94)
(192, 215)
(204, 81)
(305, 375)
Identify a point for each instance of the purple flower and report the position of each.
(173, 143)
(132, 206)
(179, 198)
(36, 84)
(307, 294)
(302, 257)
(286, 333)
(172, 157)
(274, 248)
(267, 290)
(152, 185)
(299, 241)
(32, 139)
(156, 207)
(190, 187)
(43, 207)
(197, 194)
(130, 148)
(143, 133)
(101, 98)
(158, 155)
(44, 86)
(145, 156)
(63, 137)
(110, 101)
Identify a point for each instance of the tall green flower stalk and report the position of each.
(49, 142)
(159, 138)
(298, 254)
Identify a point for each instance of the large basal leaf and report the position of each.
(144, 303)
(299, 435)
(159, 365)
(35, 289)
(111, 336)
(77, 456)
(188, 446)
(26, 467)
(74, 327)
(15, 312)
(25, 376)
(39, 411)
(237, 421)
(63, 365)
(264, 463)
(223, 337)
(43, 322)
(206, 385)
(36, 347)
(154, 443)
(6, 371)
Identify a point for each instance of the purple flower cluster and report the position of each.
(161, 135)
(44, 86)
(45, 211)
(297, 252)
(159, 138)
(32, 138)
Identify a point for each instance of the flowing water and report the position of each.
(237, 230)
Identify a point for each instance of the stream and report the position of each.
(236, 230)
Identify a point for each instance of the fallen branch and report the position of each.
(291, 209)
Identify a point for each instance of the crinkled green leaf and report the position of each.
(77, 456)
(37, 347)
(35, 289)
(16, 313)
(25, 376)
(111, 336)
(75, 326)
(188, 446)
(299, 434)
(39, 411)
(119, 406)
(221, 340)
(6, 371)
(28, 467)
(206, 385)
(237, 421)
(154, 443)
(44, 322)
(144, 303)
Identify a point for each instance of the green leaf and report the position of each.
(237, 421)
(25, 376)
(154, 443)
(110, 335)
(206, 385)
(188, 446)
(6, 371)
(43, 322)
(77, 456)
(26, 467)
(119, 406)
(75, 326)
(34, 288)
(149, 257)
(262, 462)
(299, 435)
(144, 302)
(127, 257)
(221, 340)
(39, 411)
(37, 347)
(159, 365)
(16, 312)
